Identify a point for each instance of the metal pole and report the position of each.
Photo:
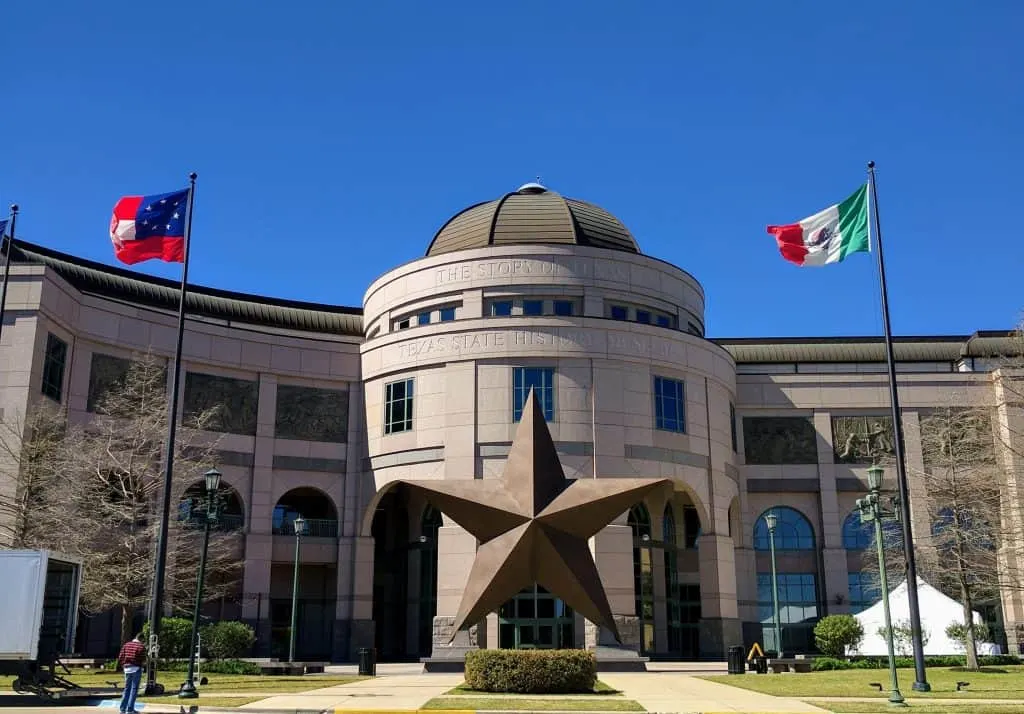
(157, 603)
(920, 677)
(895, 697)
(7, 266)
(295, 601)
(188, 689)
(775, 593)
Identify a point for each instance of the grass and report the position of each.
(218, 683)
(1006, 684)
(600, 688)
(527, 703)
(880, 708)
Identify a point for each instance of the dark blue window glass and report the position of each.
(669, 407)
(793, 531)
(542, 381)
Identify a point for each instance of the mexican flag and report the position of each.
(829, 236)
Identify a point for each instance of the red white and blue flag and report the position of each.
(148, 227)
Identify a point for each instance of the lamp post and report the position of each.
(871, 511)
(299, 526)
(212, 479)
(772, 521)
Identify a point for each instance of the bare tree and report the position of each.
(97, 491)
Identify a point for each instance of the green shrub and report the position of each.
(227, 639)
(531, 671)
(834, 633)
(827, 664)
(957, 631)
(175, 637)
(226, 666)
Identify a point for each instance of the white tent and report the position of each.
(937, 612)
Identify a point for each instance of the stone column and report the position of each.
(720, 623)
(357, 612)
(1008, 426)
(456, 550)
(613, 553)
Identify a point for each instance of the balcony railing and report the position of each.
(225, 522)
(315, 528)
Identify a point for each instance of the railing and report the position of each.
(225, 522)
(315, 528)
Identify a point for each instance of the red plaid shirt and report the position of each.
(132, 653)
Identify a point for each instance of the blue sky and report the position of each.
(332, 139)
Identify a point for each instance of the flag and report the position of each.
(147, 227)
(829, 236)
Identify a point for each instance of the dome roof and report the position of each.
(532, 214)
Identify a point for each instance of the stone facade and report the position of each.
(316, 425)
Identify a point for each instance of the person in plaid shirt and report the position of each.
(131, 658)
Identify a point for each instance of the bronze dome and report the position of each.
(532, 214)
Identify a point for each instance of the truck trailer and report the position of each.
(38, 615)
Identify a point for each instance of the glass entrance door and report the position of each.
(535, 619)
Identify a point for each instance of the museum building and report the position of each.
(328, 405)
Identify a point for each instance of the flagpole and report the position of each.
(920, 677)
(157, 602)
(7, 267)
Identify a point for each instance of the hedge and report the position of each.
(531, 671)
(820, 664)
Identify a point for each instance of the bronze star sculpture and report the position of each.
(533, 525)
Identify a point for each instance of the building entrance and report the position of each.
(536, 619)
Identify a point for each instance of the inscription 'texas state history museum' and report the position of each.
(527, 267)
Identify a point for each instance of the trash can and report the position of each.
(367, 662)
(736, 660)
(761, 665)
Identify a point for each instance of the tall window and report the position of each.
(856, 535)
(864, 592)
(643, 574)
(798, 608)
(682, 602)
(793, 531)
(53, 367)
(542, 381)
(732, 427)
(398, 406)
(669, 405)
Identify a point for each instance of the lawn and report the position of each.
(218, 683)
(995, 683)
(882, 708)
(534, 704)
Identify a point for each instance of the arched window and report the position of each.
(429, 525)
(315, 508)
(856, 534)
(793, 531)
(192, 507)
(643, 573)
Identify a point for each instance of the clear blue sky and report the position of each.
(332, 139)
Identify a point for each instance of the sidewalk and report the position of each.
(668, 691)
(407, 692)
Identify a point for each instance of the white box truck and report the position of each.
(38, 614)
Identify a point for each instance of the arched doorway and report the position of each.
(317, 575)
(390, 531)
(192, 508)
(682, 580)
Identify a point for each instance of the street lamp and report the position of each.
(212, 479)
(871, 511)
(299, 526)
(772, 521)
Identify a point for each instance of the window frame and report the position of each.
(50, 387)
(662, 400)
(521, 389)
(408, 400)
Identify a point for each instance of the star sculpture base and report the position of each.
(533, 526)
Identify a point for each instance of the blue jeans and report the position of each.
(131, 690)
